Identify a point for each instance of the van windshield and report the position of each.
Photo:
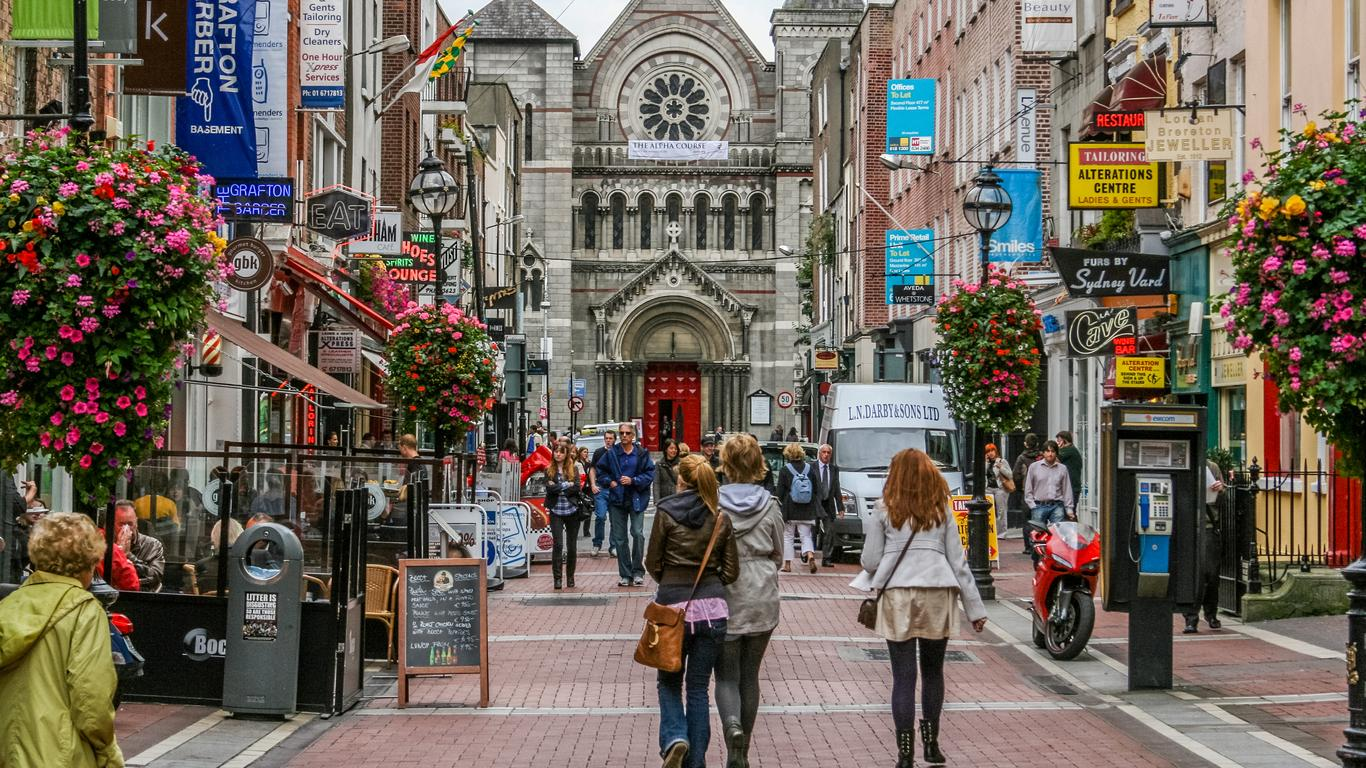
(871, 450)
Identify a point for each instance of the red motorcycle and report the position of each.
(1066, 564)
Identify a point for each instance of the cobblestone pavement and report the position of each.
(566, 693)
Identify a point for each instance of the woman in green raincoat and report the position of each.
(56, 669)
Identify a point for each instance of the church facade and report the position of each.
(667, 284)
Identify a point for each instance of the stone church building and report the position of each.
(664, 288)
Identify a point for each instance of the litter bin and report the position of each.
(265, 587)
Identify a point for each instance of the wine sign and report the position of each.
(1095, 274)
(1093, 332)
(442, 621)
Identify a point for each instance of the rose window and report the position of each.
(675, 107)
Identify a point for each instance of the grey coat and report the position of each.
(935, 559)
(757, 523)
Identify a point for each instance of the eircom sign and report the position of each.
(1021, 239)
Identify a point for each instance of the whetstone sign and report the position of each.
(442, 621)
(1095, 274)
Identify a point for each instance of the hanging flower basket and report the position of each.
(441, 365)
(1299, 294)
(106, 262)
(381, 291)
(989, 352)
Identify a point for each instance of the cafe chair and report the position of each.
(316, 587)
(381, 588)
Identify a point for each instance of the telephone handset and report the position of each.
(1153, 524)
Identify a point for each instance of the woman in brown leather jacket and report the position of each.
(683, 528)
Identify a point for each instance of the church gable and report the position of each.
(673, 270)
(711, 13)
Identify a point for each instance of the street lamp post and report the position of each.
(81, 119)
(434, 193)
(987, 209)
(546, 353)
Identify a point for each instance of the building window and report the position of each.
(526, 133)
(729, 206)
(673, 208)
(1353, 48)
(700, 211)
(590, 220)
(756, 222)
(1287, 99)
(618, 221)
(674, 106)
(647, 218)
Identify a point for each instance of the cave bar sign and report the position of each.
(1105, 175)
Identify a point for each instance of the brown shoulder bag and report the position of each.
(867, 610)
(661, 642)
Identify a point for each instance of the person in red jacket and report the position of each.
(125, 575)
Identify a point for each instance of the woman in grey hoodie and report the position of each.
(757, 523)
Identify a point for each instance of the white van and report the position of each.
(867, 424)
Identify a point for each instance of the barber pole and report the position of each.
(211, 353)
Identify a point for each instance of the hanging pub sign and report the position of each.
(1095, 274)
(339, 213)
(825, 360)
(500, 297)
(1118, 122)
(416, 262)
(266, 200)
(1110, 175)
(1094, 332)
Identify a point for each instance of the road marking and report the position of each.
(261, 746)
(1112, 663)
(1038, 656)
(612, 637)
(1294, 749)
(169, 743)
(775, 709)
(1220, 714)
(1288, 643)
(1282, 698)
(1205, 753)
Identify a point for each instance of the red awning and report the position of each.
(301, 264)
(1143, 88)
(255, 345)
(1099, 104)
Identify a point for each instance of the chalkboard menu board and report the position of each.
(442, 614)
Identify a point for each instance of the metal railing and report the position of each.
(1306, 517)
(452, 86)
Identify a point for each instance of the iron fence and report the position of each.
(1309, 516)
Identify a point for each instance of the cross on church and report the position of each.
(674, 230)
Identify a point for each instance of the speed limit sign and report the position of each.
(785, 399)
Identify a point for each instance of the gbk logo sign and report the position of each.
(200, 647)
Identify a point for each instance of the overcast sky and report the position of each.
(588, 19)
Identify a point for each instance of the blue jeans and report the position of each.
(630, 560)
(691, 722)
(599, 517)
(1048, 513)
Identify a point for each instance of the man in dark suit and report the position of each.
(830, 502)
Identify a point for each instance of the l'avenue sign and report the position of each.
(1095, 274)
(1092, 332)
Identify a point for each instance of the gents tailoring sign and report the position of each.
(1107, 175)
(1092, 332)
(1092, 274)
(322, 49)
(1180, 135)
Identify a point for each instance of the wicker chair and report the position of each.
(381, 588)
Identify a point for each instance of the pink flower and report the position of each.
(92, 386)
(1271, 264)
(69, 189)
(120, 428)
(73, 280)
(1296, 354)
(101, 417)
(140, 392)
(56, 419)
(18, 186)
(82, 260)
(97, 448)
(123, 402)
(86, 461)
(141, 409)
(1298, 266)
(68, 359)
(72, 436)
(80, 409)
(50, 353)
(19, 298)
(45, 440)
(1344, 247)
(68, 393)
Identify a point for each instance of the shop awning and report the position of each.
(1099, 104)
(302, 266)
(234, 331)
(376, 360)
(1143, 88)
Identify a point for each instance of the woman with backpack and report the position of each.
(563, 488)
(800, 494)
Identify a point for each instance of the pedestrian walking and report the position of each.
(831, 501)
(710, 446)
(1048, 492)
(1070, 458)
(57, 678)
(1000, 482)
(587, 499)
(563, 486)
(1211, 552)
(757, 522)
(598, 486)
(776, 436)
(1031, 453)
(629, 472)
(912, 552)
(666, 472)
(799, 492)
(692, 556)
(792, 435)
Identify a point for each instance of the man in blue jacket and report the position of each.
(627, 472)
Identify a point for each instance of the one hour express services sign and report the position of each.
(1110, 175)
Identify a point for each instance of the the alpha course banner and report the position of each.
(270, 86)
(1021, 239)
(322, 49)
(216, 121)
(641, 149)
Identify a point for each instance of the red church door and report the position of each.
(673, 404)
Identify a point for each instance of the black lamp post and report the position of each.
(81, 119)
(435, 193)
(987, 209)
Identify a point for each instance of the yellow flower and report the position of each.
(1268, 207)
(42, 200)
(1310, 129)
(1317, 184)
(1330, 137)
(58, 208)
(1294, 206)
(14, 198)
(1286, 238)
(28, 226)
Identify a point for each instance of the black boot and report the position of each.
(929, 736)
(737, 746)
(555, 569)
(569, 574)
(905, 748)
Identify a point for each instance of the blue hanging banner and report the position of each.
(910, 266)
(216, 121)
(1021, 239)
(910, 117)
